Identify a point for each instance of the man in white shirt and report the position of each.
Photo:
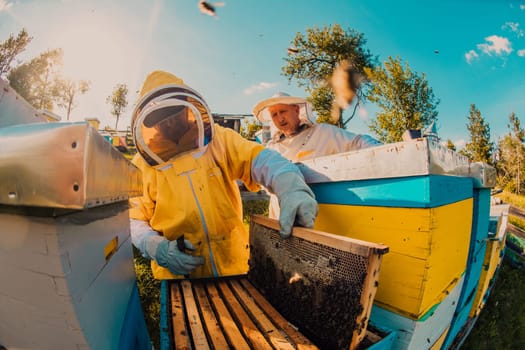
(296, 135)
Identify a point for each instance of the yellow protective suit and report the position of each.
(190, 188)
(198, 197)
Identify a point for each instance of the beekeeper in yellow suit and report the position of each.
(189, 218)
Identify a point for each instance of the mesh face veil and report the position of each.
(170, 121)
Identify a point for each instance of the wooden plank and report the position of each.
(517, 212)
(212, 325)
(367, 299)
(516, 230)
(180, 335)
(228, 323)
(354, 246)
(192, 312)
(297, 337)
(249, 328)
(273, 333)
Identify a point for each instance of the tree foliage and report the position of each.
(321, 99)
(118, 101)
(37, 81)
(10, 49)
(67, 91)
(511, 154)
(450, 145)
(315, 56)
(248, 131)
(480, 148)
(405, 99)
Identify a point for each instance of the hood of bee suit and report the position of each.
(169, 119)
(260, 111)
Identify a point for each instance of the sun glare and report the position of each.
(92, 48)
(98, 46)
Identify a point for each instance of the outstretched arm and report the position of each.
(284, 179)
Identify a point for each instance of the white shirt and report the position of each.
(316, 141)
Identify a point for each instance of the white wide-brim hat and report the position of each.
(260, 111)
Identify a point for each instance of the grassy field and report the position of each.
(501, 324)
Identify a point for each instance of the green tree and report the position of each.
(322, 99)
(37, 81)
(405, 99)
(10, 49)
(450, 145)
(250, 129)
(480, 148)
(118, 101)
(511, 154)
(67, 90)
(314, 58)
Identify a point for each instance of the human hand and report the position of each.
(167, 254)
(297, 203)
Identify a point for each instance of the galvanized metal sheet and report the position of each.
(14, 109)
(63, 165)
(409, 158)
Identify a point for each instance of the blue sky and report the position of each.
(235, 59)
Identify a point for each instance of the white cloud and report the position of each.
(471, 55)
(513, 27)
(522, 7)
(521, 53)
(259, 87)
(497, 45)
(5, 5)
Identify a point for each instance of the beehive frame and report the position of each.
(322, 283)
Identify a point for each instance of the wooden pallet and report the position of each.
(228, 313)
(235, 313)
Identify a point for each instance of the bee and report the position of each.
(208, 8)
(292, 50)
(295, 278)
(345, 82)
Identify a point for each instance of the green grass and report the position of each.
(149, 291)
(514, 199)
(501, 323)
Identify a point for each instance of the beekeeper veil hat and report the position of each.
(169, 119)
(261, 112)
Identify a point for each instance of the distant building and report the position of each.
(232, 121)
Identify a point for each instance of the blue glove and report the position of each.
(296, 200)
(167, 254)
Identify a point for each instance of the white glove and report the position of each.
(296, 200)
(284, 179)
(167, 254)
